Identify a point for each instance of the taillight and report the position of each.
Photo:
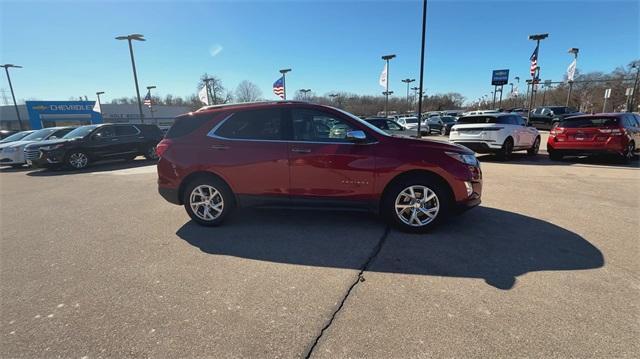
(556, 131)
(163, 146)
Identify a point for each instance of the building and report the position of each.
(40, 114)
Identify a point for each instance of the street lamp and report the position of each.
(15, 104)
(305, 92)
(129, 38)
(386, 92)
(284, 84)
(150, 106)
(535, 74)
(408, 81)
(636, 66)
(574, 51)
(424, 34)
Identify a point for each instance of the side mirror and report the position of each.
(356, 136)
(53, 138)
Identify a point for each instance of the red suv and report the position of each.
(301, 154)
(615, 133)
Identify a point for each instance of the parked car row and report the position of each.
(76, 148)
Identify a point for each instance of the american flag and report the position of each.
(534, 61)
(147, 99)
(278, 87)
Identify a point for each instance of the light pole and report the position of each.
(535, 73)
(305, 92)
(284, 84)
(424, 32)
(15, 104)
(129, 38)
(574, 51)
(636, 66)
(150, 102)
(386, 92)
(408, 81)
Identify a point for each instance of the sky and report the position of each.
(67, 48)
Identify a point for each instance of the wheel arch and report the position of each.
(421, 172)
(200, 174)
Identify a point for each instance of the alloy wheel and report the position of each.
(417, 206)
(206, 202)
(151, 153)
(78, 160)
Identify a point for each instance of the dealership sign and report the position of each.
(500, 77)
(61, 111)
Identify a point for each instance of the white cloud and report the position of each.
(215, 50)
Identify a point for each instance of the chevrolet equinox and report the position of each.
(301, 154)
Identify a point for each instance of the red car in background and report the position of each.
(604, 133)
(301, 154)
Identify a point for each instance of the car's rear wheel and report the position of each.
(415, 204)
(555, 155)
(535, 148)
(507, 149)
(150, 153)
(443, 131)
(629, 152)
(208, 200)
(77, 160)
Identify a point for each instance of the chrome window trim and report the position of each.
(212, 134)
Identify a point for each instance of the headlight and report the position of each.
(10, 149)
(464, 158)
(52, 147)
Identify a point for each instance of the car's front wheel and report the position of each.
(78, 160)
(443, 131)
(150, 153)
(415, 204)
(208, 200)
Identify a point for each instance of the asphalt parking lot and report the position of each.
(97, 264)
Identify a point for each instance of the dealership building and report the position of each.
(41, 114)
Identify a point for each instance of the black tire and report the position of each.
(554, 124)
(555, 155)
(392, 194)
(443, 131)
(222, 195)
(150, 153)
(77, 160)
(629, 152)
(506, 150)
(535, 148)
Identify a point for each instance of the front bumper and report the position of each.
(11, 158)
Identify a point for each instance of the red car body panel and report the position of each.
(298, 169)
(598, 139)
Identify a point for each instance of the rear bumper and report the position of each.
(479, 146)
(170, 194)
(586, 149)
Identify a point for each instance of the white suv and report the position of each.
(500, 133)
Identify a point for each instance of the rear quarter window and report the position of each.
(184, 125)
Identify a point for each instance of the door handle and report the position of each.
(301, 150)
(219, 147)
(114, 139)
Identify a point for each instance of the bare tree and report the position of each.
(217, 93)
(247, 91)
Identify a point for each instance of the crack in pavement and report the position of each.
(359, 278)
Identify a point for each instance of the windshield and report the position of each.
(80, 131)
(16, 137)
(40, 134)
(447, 119)
(410, 120)
(597, 122)
(363, 122)
(477, 119)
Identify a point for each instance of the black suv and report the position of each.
(545, 118)
(90, 143)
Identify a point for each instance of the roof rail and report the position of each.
(211, 107)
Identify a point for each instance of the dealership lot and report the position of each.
(97, 264)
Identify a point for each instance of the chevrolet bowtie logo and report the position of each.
(40, 107)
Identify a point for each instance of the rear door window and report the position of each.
(126, 130)
(253, 125)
